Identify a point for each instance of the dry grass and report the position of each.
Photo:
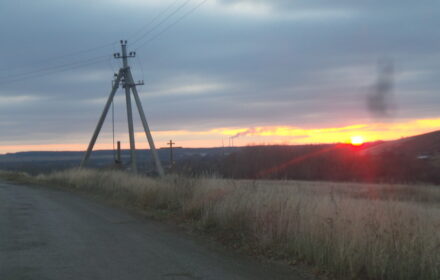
(352, 230)
(20, 177)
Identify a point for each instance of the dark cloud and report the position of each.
(280, 68)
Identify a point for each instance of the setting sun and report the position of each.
(357, 140)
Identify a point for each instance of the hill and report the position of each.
(46, 161)
(422, 146)
(412, 159)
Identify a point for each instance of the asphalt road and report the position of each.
(51, 234)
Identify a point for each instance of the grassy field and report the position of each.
(354, 231)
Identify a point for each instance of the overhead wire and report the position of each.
(55, 58)
(51, 71)
(80, 52)
(52, 67)
(11, 78)
(168, 27)
(162, 22)
(112, 44)
(134, 34)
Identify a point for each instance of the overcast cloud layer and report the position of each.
(231, 63)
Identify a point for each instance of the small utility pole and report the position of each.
(125, 78)
(171, 143)
(118, 160)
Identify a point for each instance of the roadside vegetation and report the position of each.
(353, 231)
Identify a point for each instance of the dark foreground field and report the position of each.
(352, 231)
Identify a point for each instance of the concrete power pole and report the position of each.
(125, 78)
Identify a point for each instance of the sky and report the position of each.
(255, 72)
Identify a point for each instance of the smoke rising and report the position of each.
(249, 131)
(381, 101)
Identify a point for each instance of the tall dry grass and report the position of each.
(352, 230)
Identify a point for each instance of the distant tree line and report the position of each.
(336, 162)
(315, 162)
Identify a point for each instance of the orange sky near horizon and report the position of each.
(264, 135)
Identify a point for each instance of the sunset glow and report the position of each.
(357, 140)
(264, 135)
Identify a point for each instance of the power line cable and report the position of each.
(45, 73)
(162, 22)
(55, 58)
(79, 52)
(42, 74)
(49, 70)
(134, 34)
(53, 67)
(76, 53)
(111, 43)
(172, 24)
